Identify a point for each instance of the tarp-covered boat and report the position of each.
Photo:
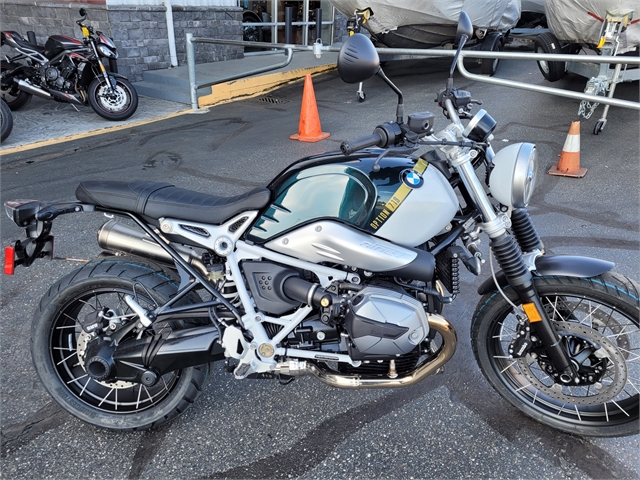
(580, 21)
(429, 23)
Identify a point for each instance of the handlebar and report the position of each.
(373, 140)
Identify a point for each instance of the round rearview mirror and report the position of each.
(358, 59)
(465, 27)
(83, 12)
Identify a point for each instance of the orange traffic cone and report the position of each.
(309, 129)
(569, 163)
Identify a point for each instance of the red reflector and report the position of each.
(9, 260)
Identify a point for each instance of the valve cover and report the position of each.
(383, 322)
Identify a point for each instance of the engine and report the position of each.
(384, 323)
(59, 77)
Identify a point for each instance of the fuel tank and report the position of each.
(406, 201)
(56, 44)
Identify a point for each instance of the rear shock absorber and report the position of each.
(524, 231)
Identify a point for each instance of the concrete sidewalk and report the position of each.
(45, 122)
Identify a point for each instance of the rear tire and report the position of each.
(57, 347)
(13, 97)
(548, 43)
(598, 320)
(6, 124)
(114, 106)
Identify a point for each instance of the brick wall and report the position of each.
(139, 32)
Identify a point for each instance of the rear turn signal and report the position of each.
(9, 260)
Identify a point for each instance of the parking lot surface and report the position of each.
(449, 426)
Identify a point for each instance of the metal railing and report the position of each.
(409, 53)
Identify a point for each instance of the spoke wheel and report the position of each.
(59, 345)
(68, 343)
(598, 325)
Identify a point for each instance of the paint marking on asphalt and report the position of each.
(77, 136)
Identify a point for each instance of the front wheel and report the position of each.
(59, 345)
(6, 125)
(113, 104)
(598, 322)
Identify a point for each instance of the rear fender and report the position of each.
(557, 265)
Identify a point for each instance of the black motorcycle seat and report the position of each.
(159, 199)
(24, 43)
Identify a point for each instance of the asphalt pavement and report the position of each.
(448, 426)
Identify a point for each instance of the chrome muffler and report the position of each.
(448, 347)
(27, 86)
(118, 237)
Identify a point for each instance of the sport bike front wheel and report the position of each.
(58, 346)
(597, 320)
(114, 104)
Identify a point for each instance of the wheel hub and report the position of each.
(82, 342)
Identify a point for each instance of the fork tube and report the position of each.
(509, 257)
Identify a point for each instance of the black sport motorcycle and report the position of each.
(342, 268)
(68, 70)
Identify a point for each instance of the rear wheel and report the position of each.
(598, 323)
(58, 346)
(13, 97)
(114, 104)
(548, 43)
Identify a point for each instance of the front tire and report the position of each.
(598, 320)
(115, 105)
(6, 123)
(58, 342)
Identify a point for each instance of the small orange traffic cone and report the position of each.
(309, 129)
(569, 162)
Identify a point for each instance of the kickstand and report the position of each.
(74, 107)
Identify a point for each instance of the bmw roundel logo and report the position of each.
(412, 179)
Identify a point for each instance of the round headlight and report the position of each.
(513, 178)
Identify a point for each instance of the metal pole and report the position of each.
(318, 23)
(191, 65)
(288, 19)
(170, 33)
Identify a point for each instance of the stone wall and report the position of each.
(139, 32)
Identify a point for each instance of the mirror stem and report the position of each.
(400, 107)
(463, 40)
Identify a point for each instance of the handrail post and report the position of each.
(191, 64)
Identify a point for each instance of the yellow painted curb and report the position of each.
(68, 138)
(254, 86)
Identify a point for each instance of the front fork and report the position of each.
(508, 253)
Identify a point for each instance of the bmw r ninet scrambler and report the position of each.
(68, 70)
(341, 268)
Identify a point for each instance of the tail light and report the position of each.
(9, 260)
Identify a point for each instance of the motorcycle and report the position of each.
(6, 124)
(340, 268)
(68, 70)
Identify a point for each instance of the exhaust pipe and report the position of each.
(27, 86)
(118, 237)
(448, 347)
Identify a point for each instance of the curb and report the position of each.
(255, 86)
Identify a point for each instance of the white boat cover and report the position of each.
(388, 15)
(575, 20)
